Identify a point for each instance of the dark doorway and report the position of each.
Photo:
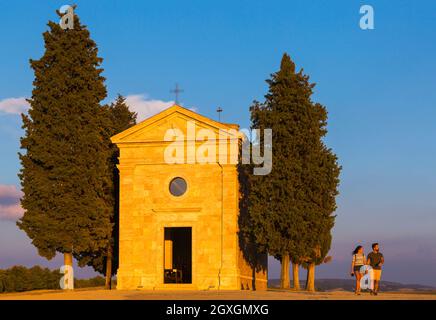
(178, 255)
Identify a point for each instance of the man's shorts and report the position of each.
(376, 274)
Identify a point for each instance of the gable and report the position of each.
(177, 119)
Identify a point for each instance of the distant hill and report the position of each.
(348, 285)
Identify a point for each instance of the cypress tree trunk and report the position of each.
(310, 282)
(296, 276)
(68, 261)
(108, 284)
(284, 277)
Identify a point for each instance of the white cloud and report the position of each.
(9, 191)
(11, 212)
(139, 103)
(14, 105)
(146, 107)
(10, 208)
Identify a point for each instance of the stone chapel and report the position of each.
(178, 224)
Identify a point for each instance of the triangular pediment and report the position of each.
(174, 119)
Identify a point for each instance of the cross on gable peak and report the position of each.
(177, 90)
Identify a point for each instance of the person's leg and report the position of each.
(376, 286)
(358, 277)
(377, 276)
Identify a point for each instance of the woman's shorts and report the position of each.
(357, 269)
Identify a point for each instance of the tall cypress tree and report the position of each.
(285, 206)
(121, 117)
(117, 118)
(273, 206)
(321, 175)
(64, 167)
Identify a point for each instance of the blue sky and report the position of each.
(378, 85)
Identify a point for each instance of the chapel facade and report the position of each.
(179, 219)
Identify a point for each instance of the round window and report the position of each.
(178, 186)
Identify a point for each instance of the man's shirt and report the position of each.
(375, 258)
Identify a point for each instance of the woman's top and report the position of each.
(359, 259)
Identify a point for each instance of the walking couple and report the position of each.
(359, 267)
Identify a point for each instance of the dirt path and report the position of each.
(273, 294)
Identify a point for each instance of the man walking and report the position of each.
(376, 260)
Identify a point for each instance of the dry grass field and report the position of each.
(272, 294)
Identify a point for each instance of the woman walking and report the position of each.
(358, 261)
